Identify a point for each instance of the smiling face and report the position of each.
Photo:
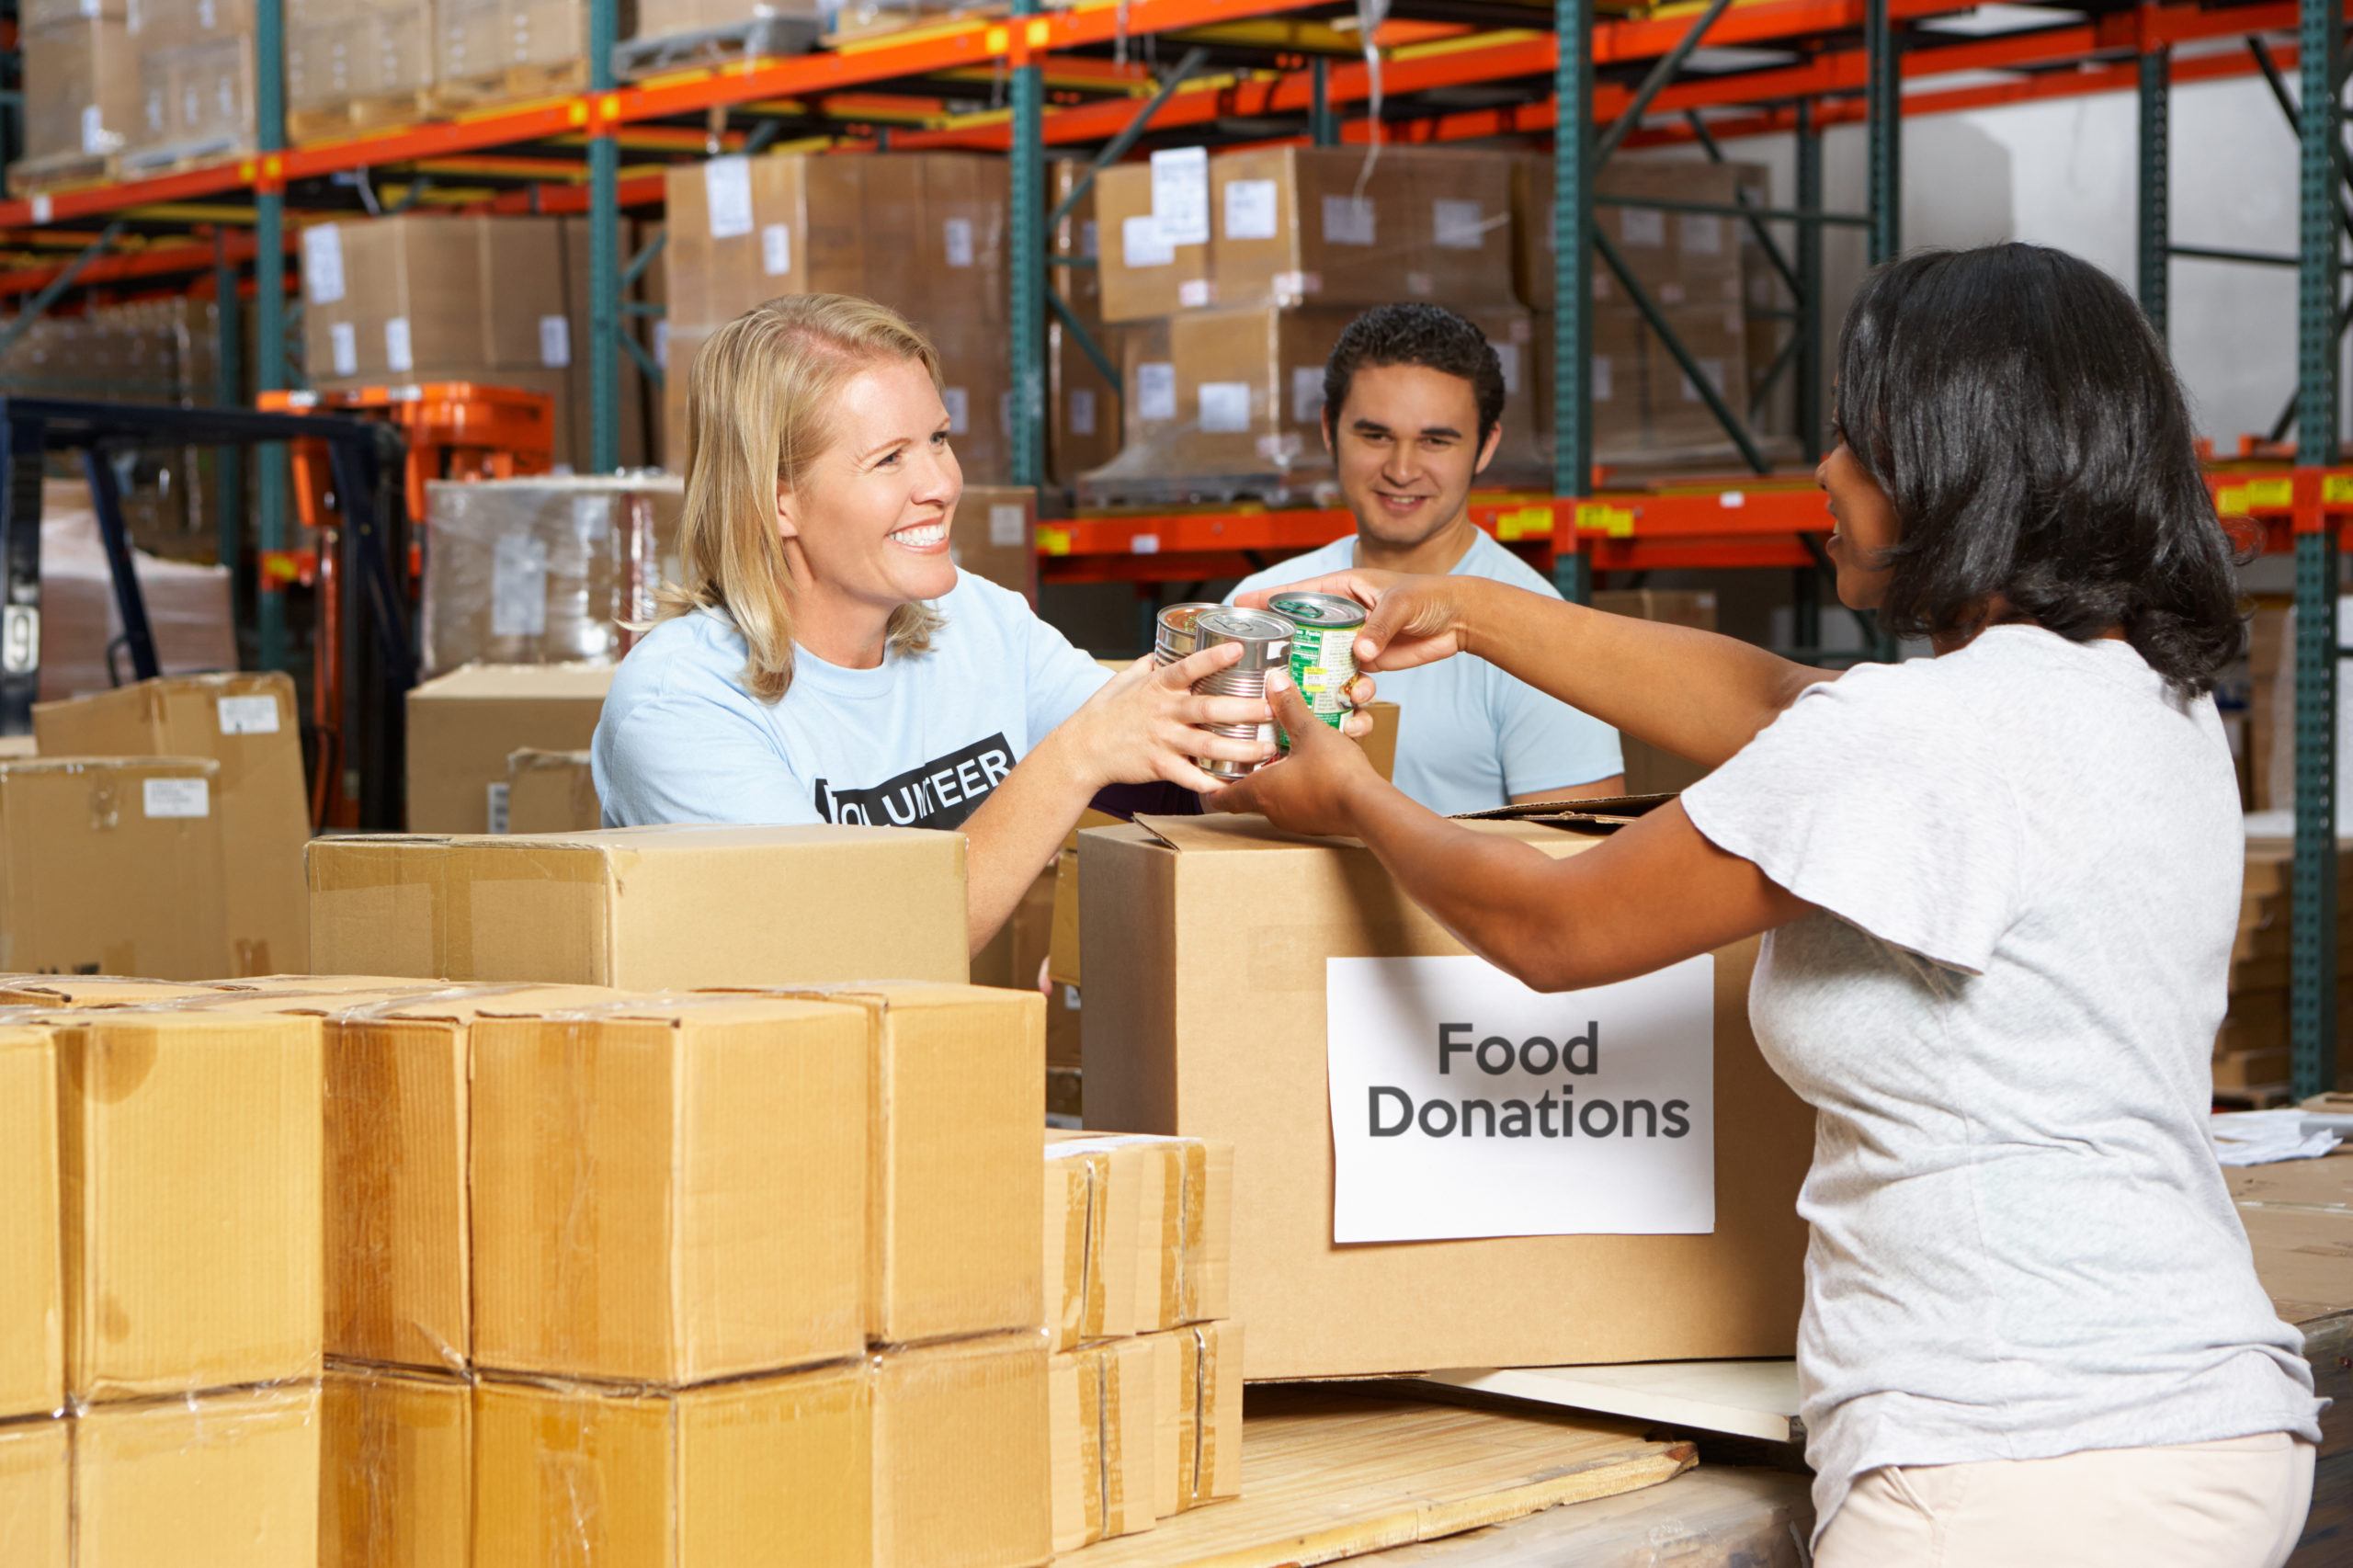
(1406, 447)
(866, 530)
(1867, 528)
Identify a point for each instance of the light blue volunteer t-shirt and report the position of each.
(1469, 736)
(918, 742)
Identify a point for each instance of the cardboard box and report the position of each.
(1165, 1246)
(670, 1192)
(1083, 405)
(1209, 1420)
(1078, 1191)
(954, 1186)
(191, 1171)
(1174, 1403)
(226, 1477)
(1715, 336)
(993, 537)
(1682, 258)
(1016, 954)
(81, 86)
(1308, 225)
(962, 1455)
(194, 100)
(61, 991)
(248, 724)
(32, 1308)
(768, 1469)
(376, 56)
(35, 1494)
(644, 908)
(1161, 898)
(400, 1282)
(1108, 1450)
(1141, 277)
(113, 866)
(463, 725)
(385, 296)
(397, 1479)
(481, 39)
(1649, 770)
(551, 791)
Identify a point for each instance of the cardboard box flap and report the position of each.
(1223, 832)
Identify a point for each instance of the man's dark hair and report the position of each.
(1428, 336)
(2018, 410)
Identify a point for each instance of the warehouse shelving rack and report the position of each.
(1024, 82)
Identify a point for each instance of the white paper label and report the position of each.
(1307, 394)
(1507, 355)
(1180, 195)
(776, 250)
(1347, 220)
(662, 344)
(1702, 233)
(727, 194)
(322, 264)
(494, 806)
(1250, 209)
(1082, 411)
(1088, 241)
(343, 347)
(254, 715)
(176, 797)
(1008, 527)
(1670, 293)
(519, 586)
(1464, 1103)
(1141, 244)
(1458, 225)
(556, 342)
(1712, 368)
(1225, 407)
(396, 347)
(1193, 294)
(207, 16)
(1157, 391)
(959, 408)
(592, 518)
(44, 208)
(1642, 226)
(956, 239)
(93, 129)
(1601, 384)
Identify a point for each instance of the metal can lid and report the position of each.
(1244, 625)
(1180, 618)
(1318, 609)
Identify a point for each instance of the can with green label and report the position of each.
(1323, 649)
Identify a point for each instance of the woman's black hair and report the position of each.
(2023, 417)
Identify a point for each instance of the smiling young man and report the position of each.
(1413, 410)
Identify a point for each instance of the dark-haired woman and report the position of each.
(2000, 888)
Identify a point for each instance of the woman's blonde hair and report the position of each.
(757, 418)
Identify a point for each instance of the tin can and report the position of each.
(1323, 649)
(1266, 645)
(1176, 637)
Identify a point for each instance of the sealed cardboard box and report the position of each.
(223, 1477)
(94, 991)
(80, 89)
(249, 725)
(1209, 1419)
(671, 1192)
(1682, 258)
(1165, 1240)
(1078, 1191)
(763, 1470)
(1175, 1403)
(1176, 954)
(551, 791)
(992, 536)
(346, 60)
(1083, 418)
(32, 1368)
(1143, 278)
(1017, 953)
(962, 1466)
(114, 866)
(1108, 1436)
(191, 1171)
(953, 1244)
(1716, 338)
(196, 100)
(1314, 225)
(644, 908)
(463, 725)
(386, 296)
(35, 1489)
(397, 1476)
(977, 391)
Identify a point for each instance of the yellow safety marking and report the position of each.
(1036, 34)
(1053, 541)
(2232, 501)
(1617, 522)
(1527, 522)
(2335, 488)
(997, 40)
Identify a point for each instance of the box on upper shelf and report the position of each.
(464, 725)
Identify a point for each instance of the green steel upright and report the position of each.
(2155, 224)
(269, 308)
(228, 390)
(604, 254)
(1572, 276)
(1884, 114)
(2312, 967)
(1026, 261)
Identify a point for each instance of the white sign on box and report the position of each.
(1180, 195)
(176, 797)
(1142, 244)
(322, 263)
(1250, 209)
(727, 195)
(1464, 1103)
(254, 715)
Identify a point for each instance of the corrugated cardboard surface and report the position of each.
(229, 1477)
(463, 725)
(993, 537)
(1134, 291)
(398, 1472)
(32, 1368)
(644, 908)
(1210, 1021)
(249, 725)
(551, 791)
(189, 1147)
(95, 885)
(1426, 224)
(776, 1470)
(962, 1467)
(671, 1193)
(35, 1491)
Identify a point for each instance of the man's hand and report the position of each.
(1312, 789)
(1408, 620)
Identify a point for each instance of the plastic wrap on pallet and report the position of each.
(81, 96)
(351, 64)
(225, 1476)
(187, 606)
(196, 82)
(396, 1478)
(544, 570)
(672, 19)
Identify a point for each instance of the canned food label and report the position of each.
(1322, 662)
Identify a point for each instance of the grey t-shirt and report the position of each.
(2028, 855)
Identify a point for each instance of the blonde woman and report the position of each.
(824, 660)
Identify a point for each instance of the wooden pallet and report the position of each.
(356, 116)
(60, 171)
(150, 164)
(511, 85)
(1328, 1474)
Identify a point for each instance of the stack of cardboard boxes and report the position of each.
(2252, 1050)
(1146, 1376)
(1233, 275)
(1083, 404)
(353, 65)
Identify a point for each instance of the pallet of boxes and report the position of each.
(122, 90)
(2252, 1050)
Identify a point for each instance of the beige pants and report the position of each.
(2233, 1504)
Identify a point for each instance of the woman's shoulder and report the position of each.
(699, 651)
